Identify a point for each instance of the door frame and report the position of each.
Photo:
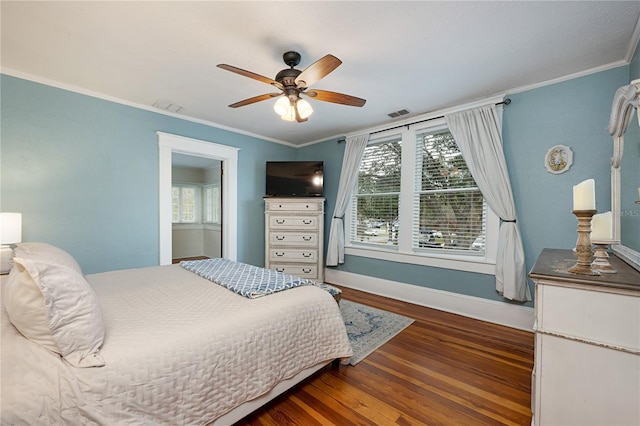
(168, 144)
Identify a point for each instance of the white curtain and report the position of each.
(348, 176)
(478, 133)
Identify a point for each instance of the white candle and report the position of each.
(601, 229)
(584, 195)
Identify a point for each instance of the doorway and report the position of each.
(169, 144)
(196, 206)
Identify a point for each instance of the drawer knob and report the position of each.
(306, 238)
(280, 221)
(280, 237)
(306, 271)
(279, 269)
(306, 254)
(307, 221)
(279, 254)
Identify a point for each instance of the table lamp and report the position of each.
(10, 233)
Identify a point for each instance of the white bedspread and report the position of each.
(178, 350)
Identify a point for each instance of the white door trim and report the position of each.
(168, 144)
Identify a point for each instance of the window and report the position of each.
(415, 201)
(376, 199)
(211, 204)
(184, 199)
(451, 211)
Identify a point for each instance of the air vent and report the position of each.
(167, 105)
(398, 113)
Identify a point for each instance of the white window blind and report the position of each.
(449, 209)
(374, 205)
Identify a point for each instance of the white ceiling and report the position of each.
(421, 55)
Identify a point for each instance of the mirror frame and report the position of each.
(625, 102)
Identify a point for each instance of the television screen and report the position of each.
(295, 179)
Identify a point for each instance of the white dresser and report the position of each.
(587, 349)
(294, 236)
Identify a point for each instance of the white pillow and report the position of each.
(48, 253)
(54, 306)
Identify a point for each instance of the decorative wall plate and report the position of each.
(558, 159)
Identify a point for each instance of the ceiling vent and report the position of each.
(398, 113)
(167, 105)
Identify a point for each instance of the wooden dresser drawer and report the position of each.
(302, 271)
(596, 316)
(294, 222)
(296, 206)
(293, 239)
(293, 255)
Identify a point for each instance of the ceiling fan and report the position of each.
(293, 83)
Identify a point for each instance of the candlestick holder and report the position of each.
(601, 257)
(583, 245)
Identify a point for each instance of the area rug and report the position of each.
(369, 328)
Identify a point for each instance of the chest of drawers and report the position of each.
(294, 236)
(587, 348)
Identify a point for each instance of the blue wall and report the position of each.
(573, 113)
(84, 174)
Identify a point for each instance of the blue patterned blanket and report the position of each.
(246, 280)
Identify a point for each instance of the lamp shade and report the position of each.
(282, 106)
(304, 108)
(10, 228)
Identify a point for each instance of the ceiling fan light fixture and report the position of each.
(283, 106)
(291, 116)
(287, 111)
(304, 108)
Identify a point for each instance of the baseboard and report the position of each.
(520, 317)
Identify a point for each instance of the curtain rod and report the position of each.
(505, 102)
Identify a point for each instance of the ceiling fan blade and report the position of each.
(254, 100)
(336, 98)
(251, 75)
(317, 70)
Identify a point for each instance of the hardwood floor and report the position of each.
(444, 369)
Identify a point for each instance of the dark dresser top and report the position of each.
(554, 263)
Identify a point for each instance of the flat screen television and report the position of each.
(295, 179)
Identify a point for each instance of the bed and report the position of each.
(156, 345)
